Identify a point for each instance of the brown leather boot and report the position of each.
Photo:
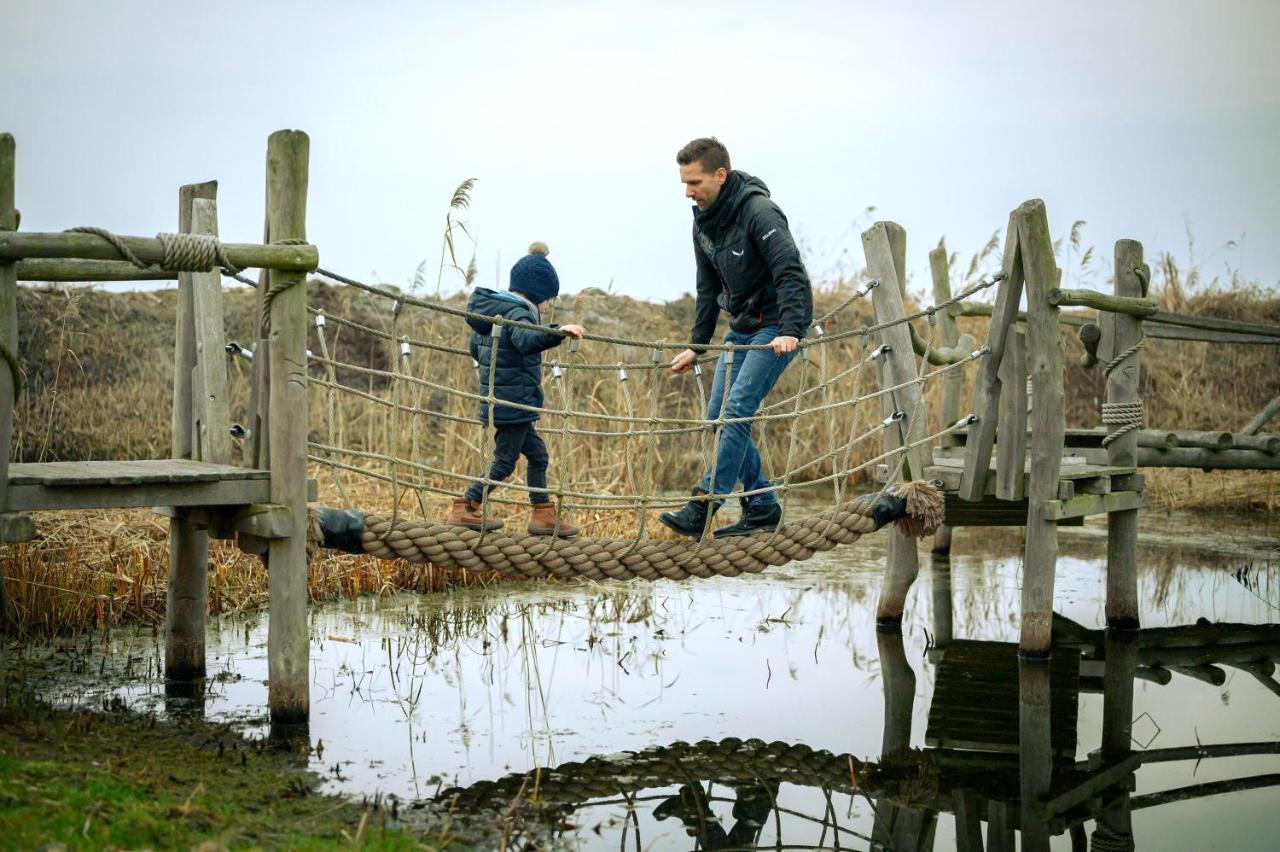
(542, 521)
(467, 513)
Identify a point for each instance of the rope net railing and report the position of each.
(395, 395)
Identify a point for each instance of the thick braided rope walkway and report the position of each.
(915, 507)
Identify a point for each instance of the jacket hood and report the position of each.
(739, 187)
(493, 303)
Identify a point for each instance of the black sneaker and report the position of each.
(691, 519)
(755, 518)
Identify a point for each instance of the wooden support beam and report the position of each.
(1011, 431)
(188, 590)
(56, 269)
(1083, 505)
(18, 246)
(1208, 459)
(1048, 425)
(1134, 306)
(968, 820)
(1254, 426)
(262, 520)
(8, 319)
(986, 394)
(1203, 672)
(1262, 443)
(1153, 326)
(287, 640)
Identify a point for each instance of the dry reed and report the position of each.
(99, 385)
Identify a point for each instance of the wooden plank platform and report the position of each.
(975, 698)
(134, 484)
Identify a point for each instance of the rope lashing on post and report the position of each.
(916, 507)
(1105, 839)
(182, 252)
(1125, 415)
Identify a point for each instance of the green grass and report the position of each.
(105, 780)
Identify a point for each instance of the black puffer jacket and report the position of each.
(748, 264)
(518, 372)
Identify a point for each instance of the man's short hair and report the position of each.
(708, 151)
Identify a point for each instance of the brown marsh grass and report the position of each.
(99, 386)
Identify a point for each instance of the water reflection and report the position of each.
(769, 710)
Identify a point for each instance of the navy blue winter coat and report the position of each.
(518, 374)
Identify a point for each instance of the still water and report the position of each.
(770, 687)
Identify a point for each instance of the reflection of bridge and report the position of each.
(1002, 736)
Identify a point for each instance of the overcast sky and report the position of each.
(1146, 119)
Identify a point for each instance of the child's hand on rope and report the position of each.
(783, 343)
(575, 331)
(683, 362)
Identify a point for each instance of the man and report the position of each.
(748, 266)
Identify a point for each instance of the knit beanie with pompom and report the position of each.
(534, 276)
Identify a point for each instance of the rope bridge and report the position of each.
(637, 408)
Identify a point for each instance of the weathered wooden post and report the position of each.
(9, 339)
(188, 600)
(987, 388)
(884, 245)
(1048, 428)
(286, 303)
(952, 382)
(1122, 397)
(1011, 429)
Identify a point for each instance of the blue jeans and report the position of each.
(754, 373)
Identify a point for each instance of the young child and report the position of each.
(517, 378)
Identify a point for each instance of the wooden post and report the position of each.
(1122, 387)
(986, 392)
(1011, 432)
(952, 382)
(1048, 428)
(287, 639)
(187, 602)
(211, 416)
(9, 337)
(884, 245)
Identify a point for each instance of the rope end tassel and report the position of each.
(916, 507)
(923, 506)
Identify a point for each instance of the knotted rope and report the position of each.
(915, 506)
(1126, 415)
(182, 252)
(1107, 839)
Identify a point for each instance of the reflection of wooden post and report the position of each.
(1121, 650)
(896, 826)
(1048, 427)
(188, 599)
(1035, 766)
(287, 641)
(884, 245)
(940, 585)
(1122, 387)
